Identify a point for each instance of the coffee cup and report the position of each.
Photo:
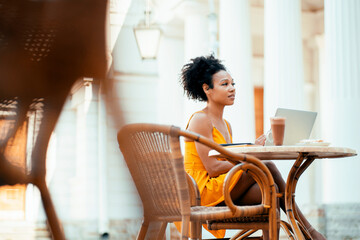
(278, 130)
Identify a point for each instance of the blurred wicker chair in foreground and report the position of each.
(153, 156)
(45, 46)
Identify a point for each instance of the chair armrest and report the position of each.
(253, 165)
(195, 198)
(260, 177)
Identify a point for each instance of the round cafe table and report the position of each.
(304, 156)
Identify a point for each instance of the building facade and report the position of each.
(298, 54)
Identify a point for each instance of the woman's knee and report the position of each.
(252, 196)
(272, 167)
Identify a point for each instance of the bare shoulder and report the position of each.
(230, 129)
(201, 123)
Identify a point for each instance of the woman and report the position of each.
(206, 79)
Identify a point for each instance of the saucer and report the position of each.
(309, 143)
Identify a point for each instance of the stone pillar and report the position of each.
(283, 60)
(103, 218)
(170, 97)
(196, 33)
(321, 86)
(196, 43)
(341, 98)
(213, 28)
(283, 83)
(85, 189)
(236, 53)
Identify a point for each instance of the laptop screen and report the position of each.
(298, 125)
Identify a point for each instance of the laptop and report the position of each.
(298, 125)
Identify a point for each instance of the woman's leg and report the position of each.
(247, 192)
(279, 181)
(242, 188)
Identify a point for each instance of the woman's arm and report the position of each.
(202, 125)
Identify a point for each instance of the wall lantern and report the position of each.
(147, 36)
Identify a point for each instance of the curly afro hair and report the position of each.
(199, 71)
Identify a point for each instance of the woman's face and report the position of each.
(223, 91)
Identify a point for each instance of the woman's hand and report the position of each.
(260, 140)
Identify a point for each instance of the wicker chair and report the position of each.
(45, 46)
(153, 155)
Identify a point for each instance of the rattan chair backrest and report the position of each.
(152, 154)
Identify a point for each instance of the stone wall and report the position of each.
(342, 221)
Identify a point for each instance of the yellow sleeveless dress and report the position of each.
(211, 189)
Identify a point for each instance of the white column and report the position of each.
(213, 28)
(283, 60)
(103, 218)
(196, 33)
(170, 94)
(83, 180)
(341, 94)
(283, 83)
(315, 172)
(236, 53)
(196, 43)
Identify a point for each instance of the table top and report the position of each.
(289, 152)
